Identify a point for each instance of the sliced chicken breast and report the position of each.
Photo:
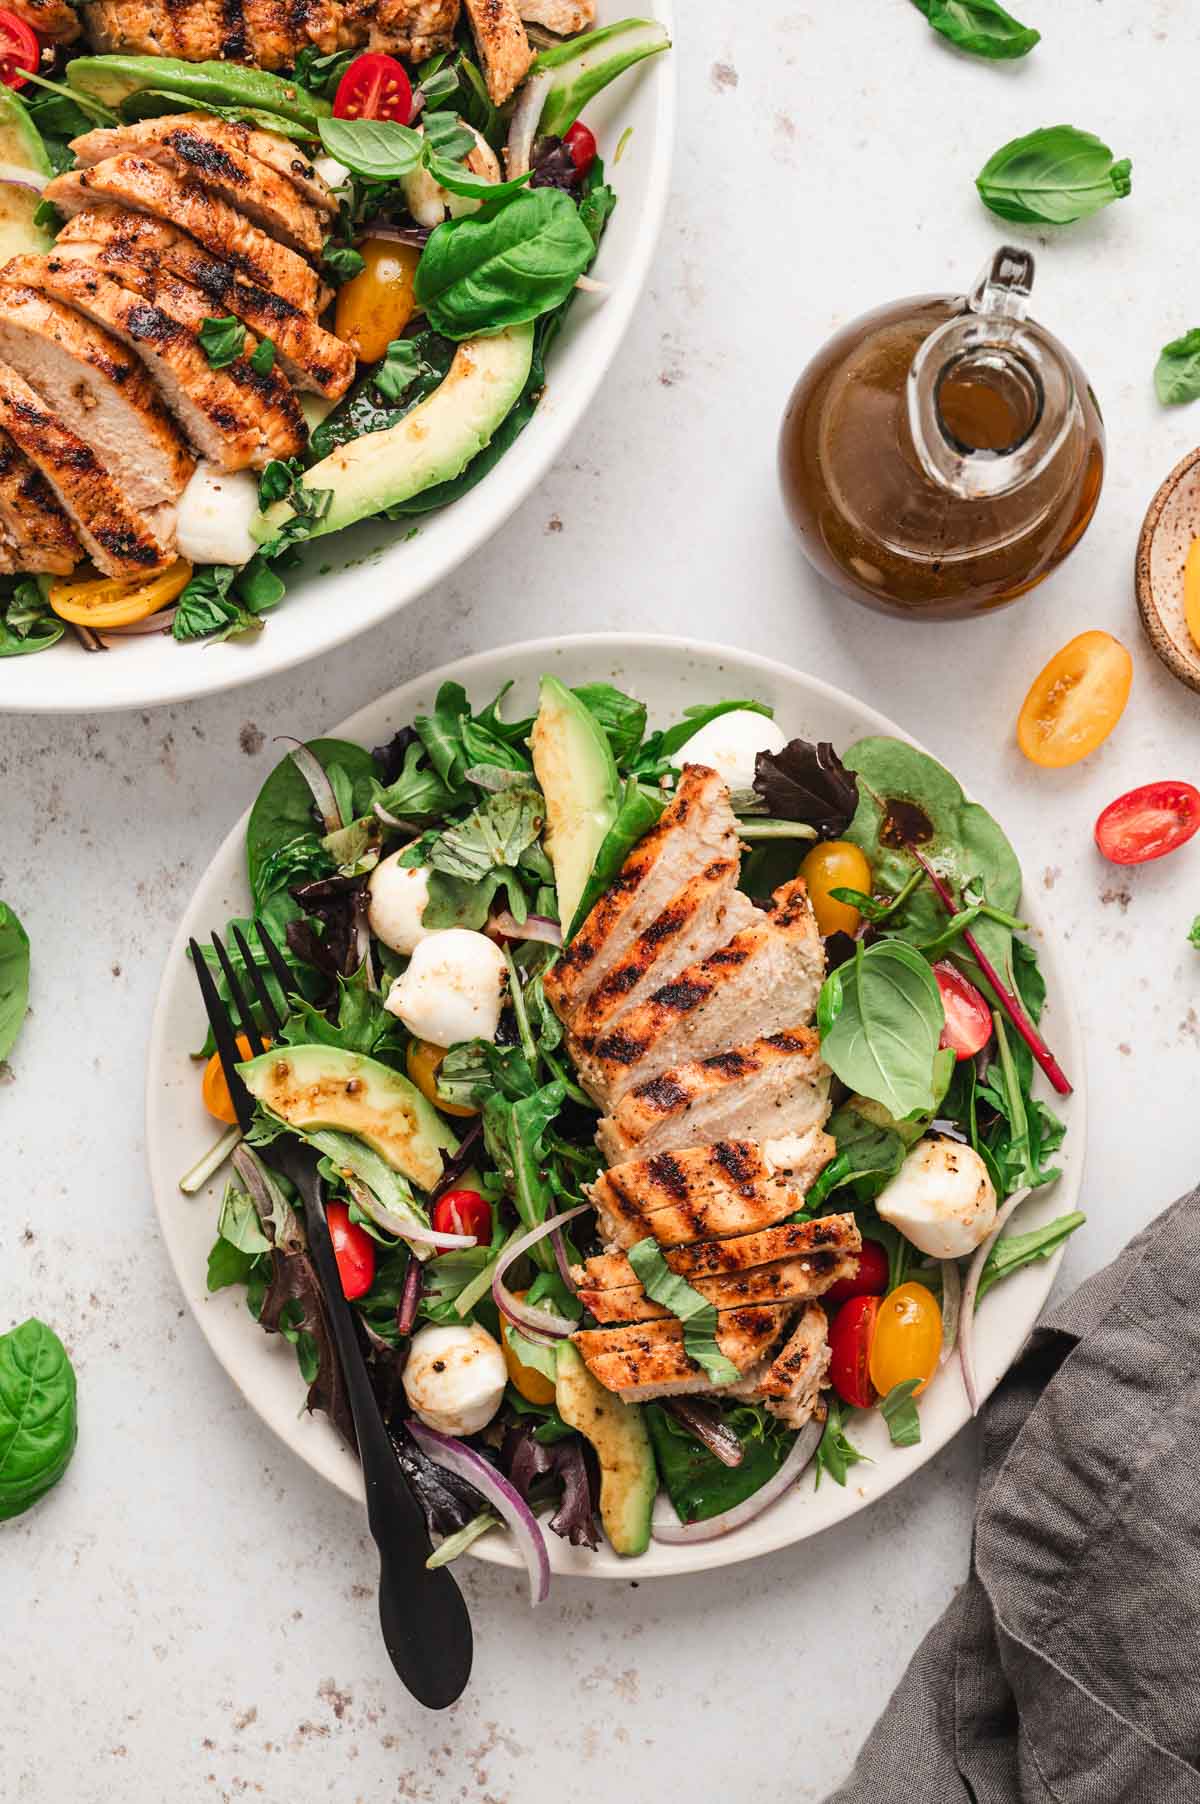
(99, 390)
(705, 1192)
(766, 979)
(563, 17)
(649, 1359)
(143, 26)
(209, 152)
(826, 1237)
(312, 358)
(35, 526)
(697, 828)
(119, 540)
(504, 50)
(52, 19)
(790, 1383)
(412, 28)
(139, 183)
(771, 1088)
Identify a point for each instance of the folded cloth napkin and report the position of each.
(1067, 1668)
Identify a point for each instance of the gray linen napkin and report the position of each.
(1068, 1666)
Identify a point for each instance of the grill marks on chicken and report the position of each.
(650, 1359)
(37, 533)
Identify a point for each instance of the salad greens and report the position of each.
(881, 1018)
(1052, 176)
(14, 979)
(38, 1415)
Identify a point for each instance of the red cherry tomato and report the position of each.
(374, 87)
(850, 1336)
(870, 1280)
(582, 146)
(354, 1251)
(463, 1212)
(968, 1018)
(1148, 822)
(19, 49)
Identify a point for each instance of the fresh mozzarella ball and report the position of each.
(941, 1199)
(332, 173)
(215, 511)
(455, 1377)
(729, 744)
(452, 988)
(396, 898)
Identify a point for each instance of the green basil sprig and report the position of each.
(38, 1418)
(515, 259)
(1052, 176)
(699, 1317)
(881, 1018)
(14, 978)
(981, 27)
(378, 150)
(1177, 372)
(222, 340)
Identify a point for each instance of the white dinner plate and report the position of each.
(669, 675)
(323, 610)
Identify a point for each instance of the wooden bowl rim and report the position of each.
(1187, 670)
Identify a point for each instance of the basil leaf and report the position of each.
(14, 978)
(262, 359)
(637, 814)
(445, 134)
(1012, 1251)
(981, 27)
(868, 1156)
(835, 1453)
(899, 1411)
(222, 340)
(699, 1317)
(1177, 372)
(514, 260)
(341, 263)
(379, 150)
(457, 179)
(38, 1418)
(1052, 176)
(880, 1018)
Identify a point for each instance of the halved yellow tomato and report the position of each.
(907, 1338)
(112, 601)
(214, 1089)
(835, 864)
(374, 306)
(424, 1061)
(1076, 701)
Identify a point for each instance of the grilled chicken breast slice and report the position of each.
(650, 1360)
(705, 1192)
(146, 187)
(563, 17)
(35, 526)
(790, 1383)
(98, 389)
(53, 19)
(504, 49)
(119, 540)
(209, 152)
(765, 979)
(312, 358)
(412, 28)
(782, 1281)
(697, 828)
(826, 1237)
(270, 33)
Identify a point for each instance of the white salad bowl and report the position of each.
(326, 606)
(669, 675)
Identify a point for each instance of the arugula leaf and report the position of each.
(836, 1453)
(238, 1222)
(809, 783)
(899, 1411)
(27, 621)
(515, 259)
(699, 1317)
(981, 27)
(418, 792)
(38, 1415)
(363, 1024)
(222, 340)
(14, 978)
(636, 815)
(1012, 1251)
(880, 1018)
(868, 1156)
(1177, 372)
(1052, 176)
(379, 150)
(514, 1134)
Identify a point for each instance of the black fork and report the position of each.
(426, 1628)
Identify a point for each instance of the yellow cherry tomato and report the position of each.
(1076, 701)
(424, 1061)
(215, 1090)
(835, 864)
(112, 601)
(907, 1339)
(374, 306)
(1191, 592)
(533, 1385)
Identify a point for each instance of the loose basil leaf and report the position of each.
(881, 1017)
(14, 978)
(1012, 1251)
(637, 814)
(510, 262)
(899, 1411)
(981, 27)
(38, 1418)
(1177, 372)
(835, 1453)
(457, 179)
(445, 136)
(1052, 176)
(222, 340)
(699, 1317)
(806, 782)
(379, 150)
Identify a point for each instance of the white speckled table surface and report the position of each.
(190, 1614)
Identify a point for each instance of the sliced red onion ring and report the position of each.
(951, 1308)
(702, 1418)
(590, 285)
(561, 1260)
(313, 772)
(18, 177)
(161, 622)
(410, 1297)
(507, 1502)
(413, 1231)
(966, 1316)
(539, 1324)
(523, 126)
(675, 1533)
(535, 927)
(416, 236)
(394, 820)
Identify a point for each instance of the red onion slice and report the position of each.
(161, 622)
(313, 772)
(399, 1225)
(561, 1260)
(17, 176)
(410, 1297)
(674, 1533)
(539, 1324)
(536, 927)
(523, 126)
(590, 285)
(507, 1502)
(966, 1317)
(951, 1309)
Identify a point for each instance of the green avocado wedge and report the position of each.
(21, 147)
(574, 766)
(582, 66)
(617, 1431)
(112, 79)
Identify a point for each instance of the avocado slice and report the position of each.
(326, 1087)
(112, 79)
(574, 766)
(580, 67)
(617, 1431)
(21, 147)
(433, 443)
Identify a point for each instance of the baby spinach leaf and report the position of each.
(1052, 176)
(228, 1265)
(38, 1417)
(899, 1411)
(515, 259)
(1012, 1251)
(835, 1452)
(379, 150)
(514, 1133)
(14, 978)
(283, 809)
(27, 621)
(981, 27)
(638, 812)
(1177, 372)
(623, 718)
(222, 340)
(697, 1483)
(881, 1017)
(699, 1317)
(806, 782)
